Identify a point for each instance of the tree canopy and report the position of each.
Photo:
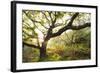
(42, 25)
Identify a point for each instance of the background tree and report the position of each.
(40, 26)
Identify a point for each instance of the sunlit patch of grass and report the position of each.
(53, 57)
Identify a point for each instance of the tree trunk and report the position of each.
(43, 54)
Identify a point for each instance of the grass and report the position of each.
(59, 53)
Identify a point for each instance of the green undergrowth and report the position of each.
(59, 53)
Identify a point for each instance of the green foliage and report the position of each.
(70, 45)
(58, 51)
(59, 15)
(53, 57)
(70, 52)
(30, 54)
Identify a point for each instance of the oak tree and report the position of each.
(40, 26)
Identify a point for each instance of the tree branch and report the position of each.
(50, 16)
(68, 26)
(31, 18)
(34, 21)
(32, 36)
(49, 32)
(46, 17)
(81, 26)
(38, 43)
(72, 19)
(44, 26)
(31, 45)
